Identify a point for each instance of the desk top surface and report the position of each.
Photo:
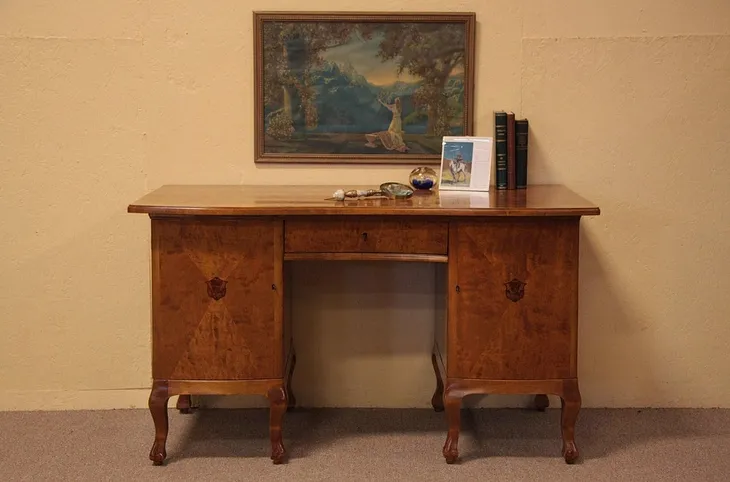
(244, 200)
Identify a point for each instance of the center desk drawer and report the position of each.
(364, 235)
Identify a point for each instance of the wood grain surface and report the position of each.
(348, 234)
(235, 200)
(238, 336)
(493, 332)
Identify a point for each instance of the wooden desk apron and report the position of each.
(218, 318)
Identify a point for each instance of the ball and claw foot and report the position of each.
(451, 451)
(278, 453)
(158, 453)
(570, 452)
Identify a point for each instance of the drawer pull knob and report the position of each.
(514, 290)
(458, 289)
(364, 236)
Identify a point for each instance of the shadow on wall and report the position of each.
(363, 334)
(615, 347)
(364, 331)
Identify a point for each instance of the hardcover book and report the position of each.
(511, 181)
(500, 141)
(521, 135)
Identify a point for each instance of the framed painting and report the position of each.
(361, 87)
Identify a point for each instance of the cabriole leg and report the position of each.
(452, 404)
(158, 409)
(277, 407)
(570, 401)
(184, 404)
(291, 399)
(437, 401)
(542, 402)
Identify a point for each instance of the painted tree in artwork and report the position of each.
(433, 52)
(291, 51)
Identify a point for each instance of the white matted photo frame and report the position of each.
(466, 163)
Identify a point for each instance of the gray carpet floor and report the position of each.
(364, 444)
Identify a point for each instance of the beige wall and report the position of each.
(100, 102)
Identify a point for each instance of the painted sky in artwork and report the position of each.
(451, 149)
(362, 54)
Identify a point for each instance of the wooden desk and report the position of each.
(219, 322)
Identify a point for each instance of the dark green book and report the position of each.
(521, 129)
(500, 149)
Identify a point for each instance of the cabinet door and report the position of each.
(513, 292)
(217, 299)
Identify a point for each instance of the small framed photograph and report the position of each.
(466, 163)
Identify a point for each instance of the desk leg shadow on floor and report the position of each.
(486, 433)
